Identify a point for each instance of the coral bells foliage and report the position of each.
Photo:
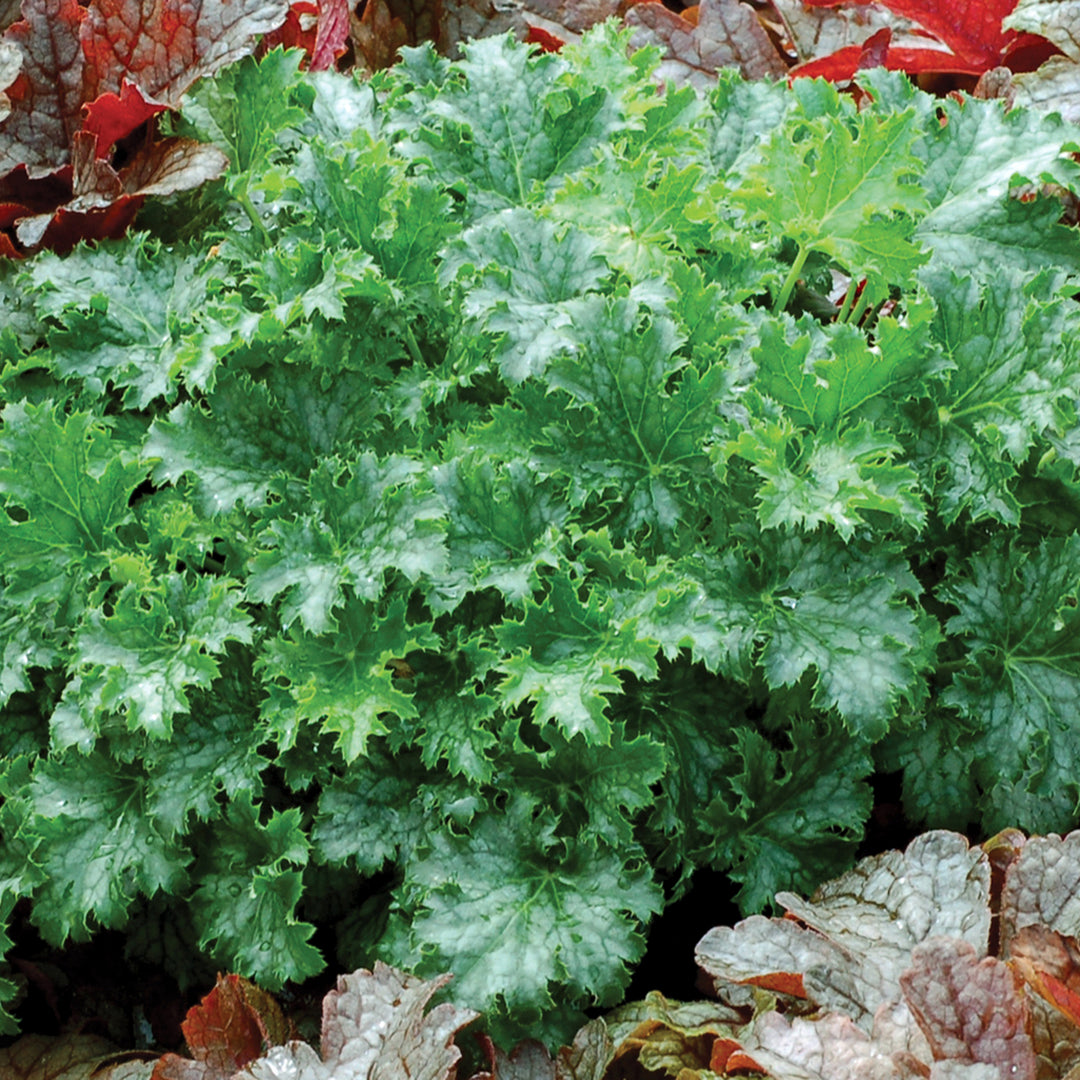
(942, 961)
(78, 150)
(542, 486)
(970, 39)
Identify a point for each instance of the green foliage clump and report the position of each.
(514, 487)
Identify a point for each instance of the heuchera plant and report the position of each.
(941, 961)
(77, 81)
(534, 487)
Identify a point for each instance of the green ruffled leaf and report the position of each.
(245, 907)
(520, 918)
(373, 516)
(98, 847)
(794, 816)
(504, 125)
(527, 271)
(844, 185)
(67, 486)
(138, 316)
(1020, 622)
(342, 681)
(846, 615)
(142, 658)
(503, 524)
(564, 656)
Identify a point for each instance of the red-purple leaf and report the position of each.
(90, 76)
(113, 116)
(332, 34)
(47, 96)
(842, 65)
(970, 1009)
(320, 28)
(231, 1027)
(1050, 964)
(971, 29)
(164, 46)
(726, 33)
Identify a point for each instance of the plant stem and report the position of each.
(411, 343)
(253, 215)
(849, 296)
(790, 281)
(860, 307)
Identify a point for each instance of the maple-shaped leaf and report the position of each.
(98, 848)
(723, 33)
(526, 271)
(246, 433)
(503, 524)
(838, 479)
(842, 186)
(974, 161)
(374, 1024)
(564, 657)
(72, 487)
(604, 786)
(630, 388)
(142, 657)
(640, 213)
(343, 679)
(935, 758)
(137, 316)
(743, 110)
(824, 375)
(232, 1026)
(247, 109)
(457, 722)
(504, 908)
(208, 755)
(844, 614)
(371, 813)
(1017, 618)
(373, 516)
(795, 815)
(244, 908)
(516, 148)
(362, 188)
(1005, 341)
(846, 949)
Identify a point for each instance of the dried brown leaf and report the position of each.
(1050, 965)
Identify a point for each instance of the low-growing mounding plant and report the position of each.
(513, 488)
